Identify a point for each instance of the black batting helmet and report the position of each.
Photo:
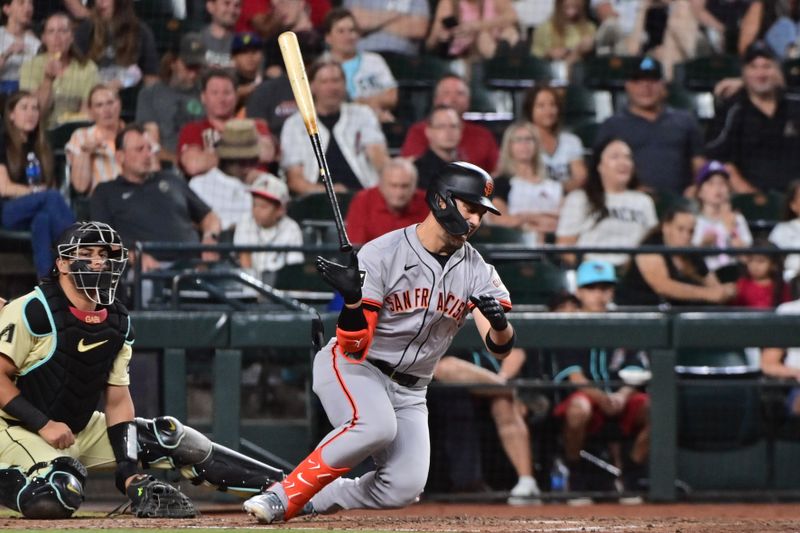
(466, 182)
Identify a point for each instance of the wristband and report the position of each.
(125, 445)
(500, 348)
(29, 416)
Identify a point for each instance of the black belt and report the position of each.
(406, 380)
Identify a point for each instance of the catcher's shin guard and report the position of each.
(47, 491)
(310, 477)
(165, 440)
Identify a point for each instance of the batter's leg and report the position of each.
(402, 468)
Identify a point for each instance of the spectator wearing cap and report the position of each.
(174, 101)
(668, 278)
(248, 56)
(369, 80)
(224, 187)
(394, 203)
(756, 132)
(267, 224)
(218, 35)
(667, 143)
(599, 401)
(718, 224)
(197, 140)
(350, 135)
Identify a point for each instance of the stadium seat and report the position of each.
(303, 282)
(791, 73)
(531, 282)
(702, 73)
(128, 98)
(759, 207)
(417, 72)
(159, 17)
(516, 72)
(603, 72)
(587, 132)
(315, 206)
(488, 234)
(59, 136)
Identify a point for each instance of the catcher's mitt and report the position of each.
(151, 498)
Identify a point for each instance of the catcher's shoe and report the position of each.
(151, 498)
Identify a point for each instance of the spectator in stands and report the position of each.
(568, 35)
(527, 198)
(757, 132)
(762, 286)
(786, 234)
(290, 15)
(122, 46)
(151, 206)
(784, 363)
(617, 19)
(609, 210)
(174, 101)
(667, 143)
(674, 279)
(369, 80)
(60, 76)
(719, 22)
(266, 224)
(225, 187)
(561, 151)
(773, 21)
(247, 57)
(351, 136)
(255, 15)
(391, 27)
(218, 35)
(197, 139)
(478, 145)
(44, 8)
(443, 131)
(473, 30)
(512, 430)
(17, 42)
(90, 151)
(718, 224)
(29, 198)
(396, 202)
(586, 410)
(273, 102)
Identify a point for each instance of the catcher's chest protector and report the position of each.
(67, 385)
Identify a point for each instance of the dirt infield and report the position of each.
(680, 518)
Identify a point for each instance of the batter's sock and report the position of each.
(310, 477)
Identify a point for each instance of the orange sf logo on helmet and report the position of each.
(488, 189)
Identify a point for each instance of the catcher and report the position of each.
(61, 347)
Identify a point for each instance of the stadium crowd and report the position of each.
(174, 121)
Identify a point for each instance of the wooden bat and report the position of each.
(296, 71)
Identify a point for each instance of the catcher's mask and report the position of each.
(99, 284)
(466, 182)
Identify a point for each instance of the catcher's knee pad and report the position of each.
(47, 491)
(165, 440)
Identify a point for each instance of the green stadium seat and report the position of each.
(531, 282)
(303, 282)
(603, 72)
(579, 105)
(702, 73)
(417, 72)
(488, 234)
(758, 207)
(316, 206)
(516, 72)
(587, 132)
(59, 136)
(791, 73)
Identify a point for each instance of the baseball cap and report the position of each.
(591, 272)
(271, 188)
(242, 42)
(239, 140)
(646, 68)
(759, 49)
(192, 51)
(709, 169)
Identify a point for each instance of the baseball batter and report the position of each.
(406, 295)
(62, 346)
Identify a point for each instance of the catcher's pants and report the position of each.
(390, 423)
(20, 447)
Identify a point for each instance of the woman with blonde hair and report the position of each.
(526, 197)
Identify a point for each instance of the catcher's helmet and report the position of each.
(100, 286)
(466, 182)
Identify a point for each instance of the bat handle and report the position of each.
(325, 175)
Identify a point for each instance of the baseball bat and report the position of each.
(296, 71)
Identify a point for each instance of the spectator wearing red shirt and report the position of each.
(197, 139)
(763, 286)
(478, 145)
(254, 13)
(393, 204)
